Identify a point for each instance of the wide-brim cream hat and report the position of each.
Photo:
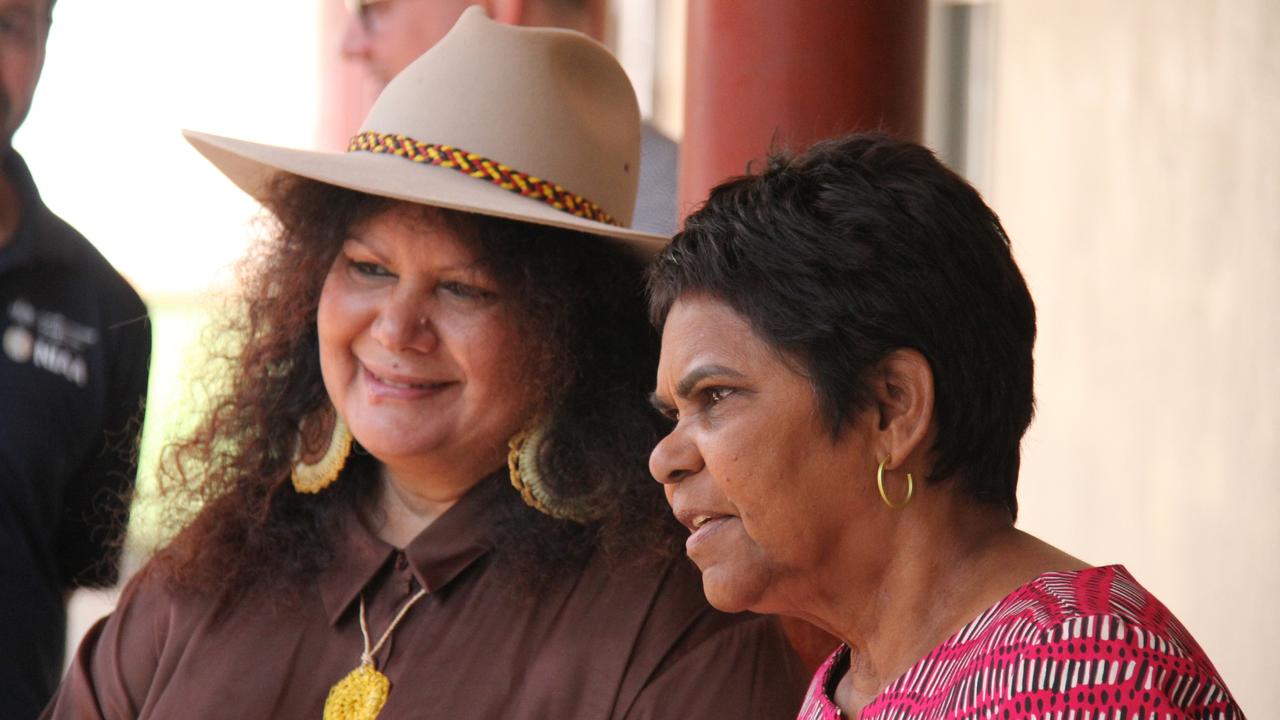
(539, 125)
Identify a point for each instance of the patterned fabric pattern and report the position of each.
(478, 166)
(1091, 644)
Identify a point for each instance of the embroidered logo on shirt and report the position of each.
(18, 343)
(49, 341)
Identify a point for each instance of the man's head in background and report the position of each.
(386, 35)
(24, 29)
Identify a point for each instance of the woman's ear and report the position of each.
(902, 385)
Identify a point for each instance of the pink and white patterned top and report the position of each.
(1086, 644)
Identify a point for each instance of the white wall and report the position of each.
(121, 81)
(1136, 165)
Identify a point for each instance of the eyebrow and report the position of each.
(692, 378)
(475, 266)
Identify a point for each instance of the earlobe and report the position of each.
(904, 398)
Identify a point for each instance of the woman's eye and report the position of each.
(464, 291)
(369, 269)
(716, 394)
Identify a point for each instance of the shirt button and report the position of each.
(401, 561)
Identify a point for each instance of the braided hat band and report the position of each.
(478, 166)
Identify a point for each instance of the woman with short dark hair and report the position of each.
(847, 360)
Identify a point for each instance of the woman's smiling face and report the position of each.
(751, 467)
(419, 351)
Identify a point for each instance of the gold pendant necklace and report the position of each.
(362, 693)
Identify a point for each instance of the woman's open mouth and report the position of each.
(704, 526)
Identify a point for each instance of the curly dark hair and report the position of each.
(862, 245)
(588, 345)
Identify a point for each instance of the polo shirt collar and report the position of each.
(448, 546)
(33, 239)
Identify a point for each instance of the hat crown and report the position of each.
(546, 102)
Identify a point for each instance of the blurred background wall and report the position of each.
(1135, 160)
(1129, 145)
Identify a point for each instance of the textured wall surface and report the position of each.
(1136, 165)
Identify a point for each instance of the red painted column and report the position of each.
(765, 73)
(346, 89)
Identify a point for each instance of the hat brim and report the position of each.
(251, 166)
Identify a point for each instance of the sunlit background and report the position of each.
(104, 144)
(1129, 146)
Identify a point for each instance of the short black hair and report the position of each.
(860, 246)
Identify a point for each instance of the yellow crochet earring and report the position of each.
(314, 477)
(526, 477)
(522, 466)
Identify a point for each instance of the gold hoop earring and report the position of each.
(526, 477)
(884, 496)
(314, 477)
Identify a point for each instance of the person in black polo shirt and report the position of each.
(74, 349)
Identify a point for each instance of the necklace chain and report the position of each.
(368, 655)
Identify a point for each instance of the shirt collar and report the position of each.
(458, 538)
(35, 239)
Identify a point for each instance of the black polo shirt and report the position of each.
(75, 343)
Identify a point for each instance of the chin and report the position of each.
(386, 448)
(732, 590)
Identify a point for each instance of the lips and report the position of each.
(704, 531)
(700, 520)
(405, 385)
(402, 387)
(702, 524)
(694, 519)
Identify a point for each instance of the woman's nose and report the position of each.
(355, 39)
(404, 322)
(674, 458)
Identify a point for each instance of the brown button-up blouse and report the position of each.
(602, 644)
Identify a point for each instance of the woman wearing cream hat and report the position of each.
(451, 308)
